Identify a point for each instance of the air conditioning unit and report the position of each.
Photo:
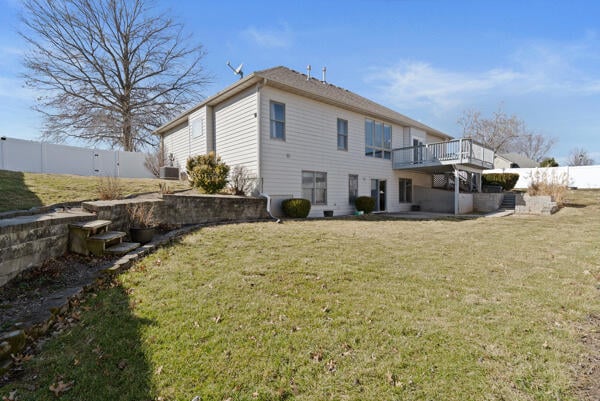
(169, 173)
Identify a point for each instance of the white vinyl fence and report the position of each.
(42, 157)
(582, 177)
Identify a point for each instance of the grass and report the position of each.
(27, 190)
(357, 309)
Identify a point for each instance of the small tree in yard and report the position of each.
(207, 172)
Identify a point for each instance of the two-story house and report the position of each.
(303, 137)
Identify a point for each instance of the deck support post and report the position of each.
(456, 190)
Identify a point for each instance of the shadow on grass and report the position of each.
(102, 355)
(15, 192)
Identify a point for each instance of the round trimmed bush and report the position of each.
(365, 204)
(296, 208)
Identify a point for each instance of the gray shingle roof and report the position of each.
(331, 93)
(294, 81)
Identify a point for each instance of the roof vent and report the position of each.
(324, 80)
(308, 72)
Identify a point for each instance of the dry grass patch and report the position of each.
(26, 190)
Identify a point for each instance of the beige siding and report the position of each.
(235, 130)
(182, 142)
(311, 144)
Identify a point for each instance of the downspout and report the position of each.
(258, 135)
(259, 148)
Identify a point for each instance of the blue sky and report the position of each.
(428, 59)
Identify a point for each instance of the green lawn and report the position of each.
(26, 190)
(360, 309)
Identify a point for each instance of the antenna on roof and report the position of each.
(324, 72)
(308, 68)
(237, 71)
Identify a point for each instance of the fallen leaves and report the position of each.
(12, 396)
(61, 387)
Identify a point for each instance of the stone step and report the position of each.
(98, 243)
(122, 248)
(93, 225)
(107, 236)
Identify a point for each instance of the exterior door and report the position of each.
(378, 192)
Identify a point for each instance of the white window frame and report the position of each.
(405, 190)
(378, 142)
(352, 192)
(310, 191)
(342, 134)
(273, 123)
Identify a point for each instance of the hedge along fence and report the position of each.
(506, 180)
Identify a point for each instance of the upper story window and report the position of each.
(378, 139)
(342, 134)
(198, 128)
(277, 116)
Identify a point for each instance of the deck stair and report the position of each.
(93, 237)
(508, 201)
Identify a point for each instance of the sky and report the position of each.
(428, 59)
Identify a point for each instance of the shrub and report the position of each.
(109, 188)
(546, 183)
(365, 204)
(141, 215)
(296, 208)
(506, 180)
(207, 172)
(240, 181)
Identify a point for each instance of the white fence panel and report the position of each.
(59, 159)
(41, 157)
(133, 164)
(584, 177)
(21, 155)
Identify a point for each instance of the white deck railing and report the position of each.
(457, 151)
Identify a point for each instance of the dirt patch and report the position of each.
(31, 298)
(587, 382)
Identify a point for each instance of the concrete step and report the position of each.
(97, 244)
(122, 248)
(93, 225)
(107, 236)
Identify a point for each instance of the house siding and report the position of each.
(182, 143)
(236, 140)
(311, 144)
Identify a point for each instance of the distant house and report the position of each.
(513, 160)
(303, 137)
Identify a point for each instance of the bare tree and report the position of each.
(111, 71)
(534, 146)
(579, 157)
(504, 133)
(498, 132)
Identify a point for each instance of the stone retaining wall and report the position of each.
(180, 209)
(28, 241)
(487, 202)
(541, 205)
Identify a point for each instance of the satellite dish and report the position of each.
(237, 71)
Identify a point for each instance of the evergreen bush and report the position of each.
(207, 172)
(365, 204)
(506, 180)
(296, 207)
